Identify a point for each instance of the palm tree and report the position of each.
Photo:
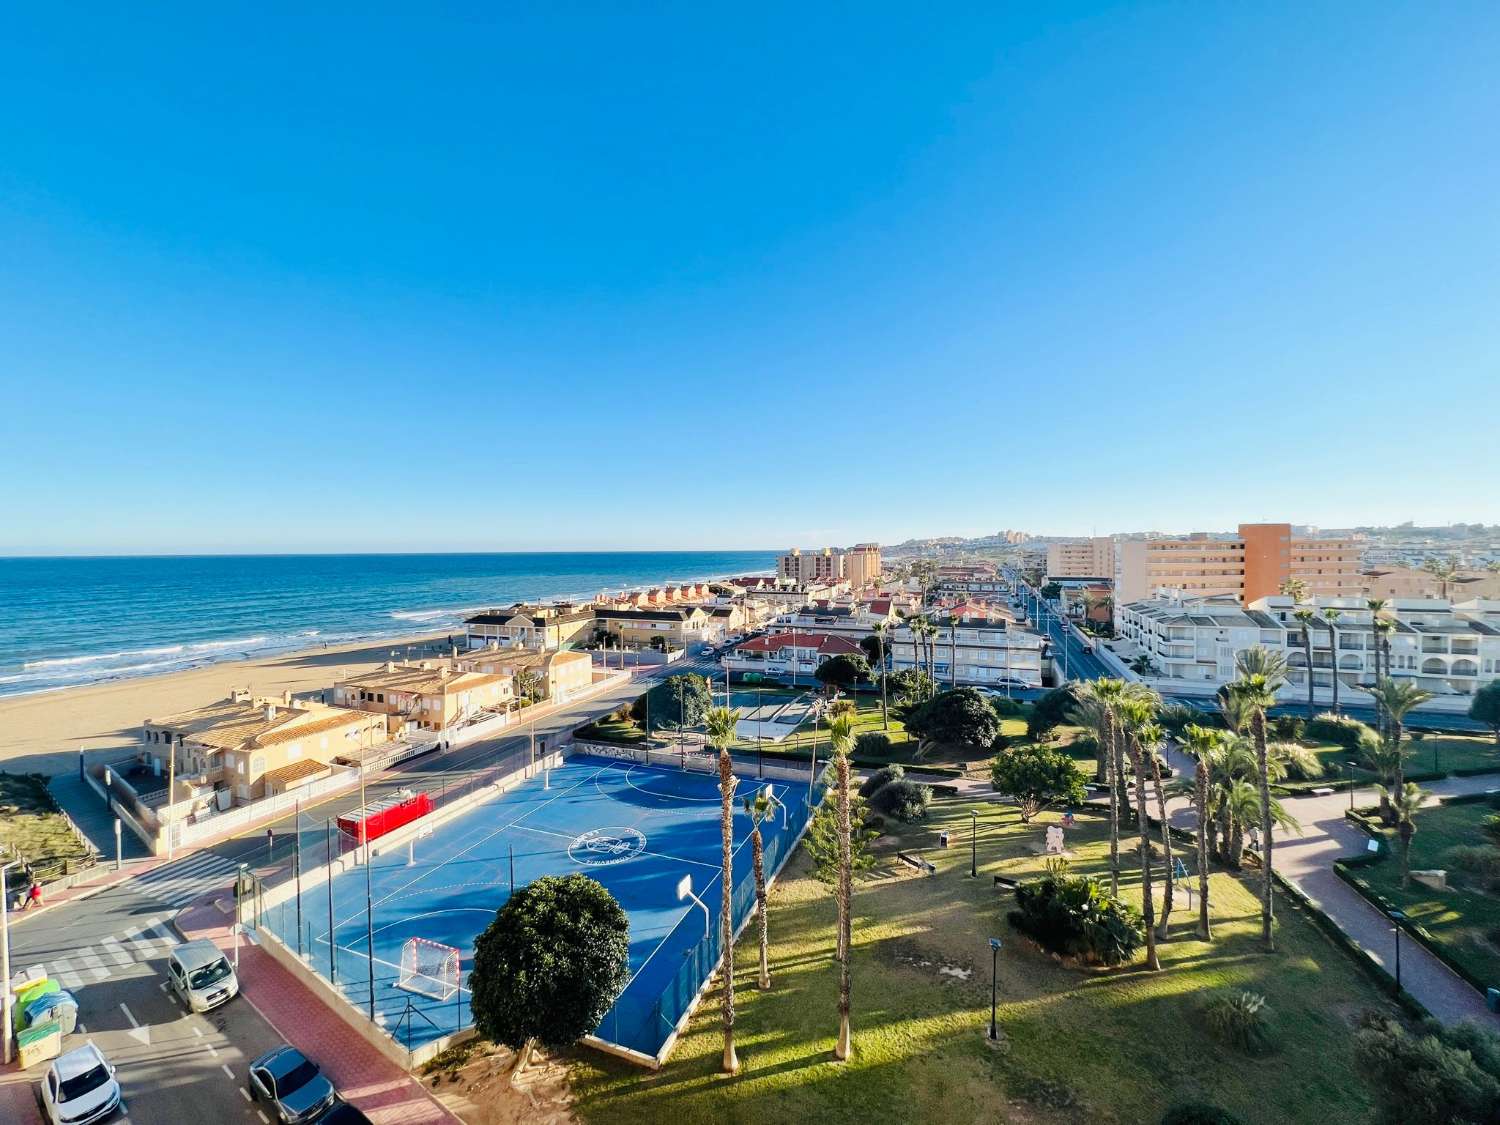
(1261, 673)
(764, 804)
(841, 735)
(1331, 615)
(1397, 700)
(720, 722)
(1404, 804)
(1305, 616)
(1296, 589)
(1151, 738)
(1137, 715)
(1443, 570)
(881, 630)
(1201, 743)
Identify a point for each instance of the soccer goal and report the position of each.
(429, 968)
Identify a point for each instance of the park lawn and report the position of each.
(31, 824)
(1080, 1045)
(1429, 754)
(1464, 919)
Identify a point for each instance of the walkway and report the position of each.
(383, 1091)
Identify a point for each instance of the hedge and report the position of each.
(1474, 771)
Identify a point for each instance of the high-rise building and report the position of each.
(1250, 565)
(1082, 558)
(826, 565)
(862, 565)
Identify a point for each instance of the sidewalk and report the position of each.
(385, 1093)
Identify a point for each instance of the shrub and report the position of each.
(1289, 728)
(1478, 859)
(1431, 1077)
(903, 800)
(1341, 730)
(1199, 1113)
(1174, 717)
(1492, 826)
(1076, 916)
(880, 779)
(1007, 708)
(1051, 710)
(1240, 1020)
(873, 744)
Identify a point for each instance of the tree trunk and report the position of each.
(1406, 835)
(1200, 792)
(845, 900)
(1148, 907)
(1258, 725)
(1112, 753)
(1170, 878)
(757, 855)
(523, 1059)
(1211, 830)
(1236, 855)
(726, 828)
(1101, 752)
(1398, 765)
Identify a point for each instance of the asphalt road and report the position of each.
(110, 952)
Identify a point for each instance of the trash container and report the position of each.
(35, 1044)
(1492, 999)
(59, 1006)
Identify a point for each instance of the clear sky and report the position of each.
(285, 277)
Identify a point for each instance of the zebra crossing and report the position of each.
(111, 956)
(177, 884)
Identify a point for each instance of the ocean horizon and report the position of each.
(70, 621)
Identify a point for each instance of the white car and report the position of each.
(79, 1087)
(201, 975)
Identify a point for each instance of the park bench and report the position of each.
(917, 862)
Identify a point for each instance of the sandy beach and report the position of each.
(43, 732)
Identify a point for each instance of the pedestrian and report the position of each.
(1254, 838)
(33, 896)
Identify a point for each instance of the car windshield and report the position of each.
(209, 974)
(294, 1079)
(81, 1084)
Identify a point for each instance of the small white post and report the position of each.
(117, 843)
(237, 927)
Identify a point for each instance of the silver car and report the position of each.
(292, 1083)
(201, 975)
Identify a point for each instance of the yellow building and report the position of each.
(240, 744)
(432, 695)
(560, 675)
(676, 627)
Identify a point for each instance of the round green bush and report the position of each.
(880, 779)
(1199, 1113)
(902, 800)
(873, 744)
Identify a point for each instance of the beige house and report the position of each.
(676, 627)
(431, 695)
(561, 675)
(245, 746)
(563, 625)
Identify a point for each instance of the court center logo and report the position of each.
(603, 846)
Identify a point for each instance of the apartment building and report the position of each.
(1247, 566)
(1082, 558)
(852, 621)
(785, 658)
(561, 674)
(430, 695)
(676, 628)
(523, 625)
(862, 565)
(825, 566)
(1414, 582)
(243, 748)
(972, 651)
(1442, 648)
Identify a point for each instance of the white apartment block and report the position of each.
(1443, 648)
(1083, 558)
(982, 652)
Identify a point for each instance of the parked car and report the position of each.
(292, 1083)
(200, 973)
(79, 1087)
(342, 1113)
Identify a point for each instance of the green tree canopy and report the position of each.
(842, 671)
(551, 964)
(910, 686)
(874, 649)
(1486, 707)
(1035, 777)
(962, 717)
(822, 839)
(1051, 710)
(681, 699)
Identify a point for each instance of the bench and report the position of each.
(917, 862)
(1007, 882)
(1323, 791)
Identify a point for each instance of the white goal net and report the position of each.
(429, 969)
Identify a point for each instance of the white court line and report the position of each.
(655, 855)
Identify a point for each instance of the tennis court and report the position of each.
(637, 828)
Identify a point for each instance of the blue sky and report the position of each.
(680, 275)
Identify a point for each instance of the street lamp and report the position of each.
(1397, 917)
(994, 968)
(973, 844)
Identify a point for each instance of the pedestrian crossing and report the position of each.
(177, 884)
(112, 956)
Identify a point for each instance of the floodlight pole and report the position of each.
(973, 844)
(333, 961)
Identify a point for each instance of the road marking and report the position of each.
(230, 1074)
(117, 954)
(262, 1114)
(244, 1093)
(92, 964)
(198, 1031)
(212, 1050)
(137, 1032)
(136, 941)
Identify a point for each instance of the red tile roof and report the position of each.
(823, 642)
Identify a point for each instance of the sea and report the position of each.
(67, 622)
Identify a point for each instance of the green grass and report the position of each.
(1432, 754)
(1464, 919)
(31, 824)
(1080, 1045)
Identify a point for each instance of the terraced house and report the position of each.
(430, 695)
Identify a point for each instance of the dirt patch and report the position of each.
(474, 1082)
(945, 968)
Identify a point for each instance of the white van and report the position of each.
(201, 975)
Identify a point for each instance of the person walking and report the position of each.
(33, 896)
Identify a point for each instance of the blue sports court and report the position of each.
(637, 828)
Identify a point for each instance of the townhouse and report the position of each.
(430, 695)
(785, 658)
(971, 648)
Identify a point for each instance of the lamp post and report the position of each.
(973, 844)
(5, 957)
(994, 969)
(1397, 917)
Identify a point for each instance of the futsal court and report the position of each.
(636, 828)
